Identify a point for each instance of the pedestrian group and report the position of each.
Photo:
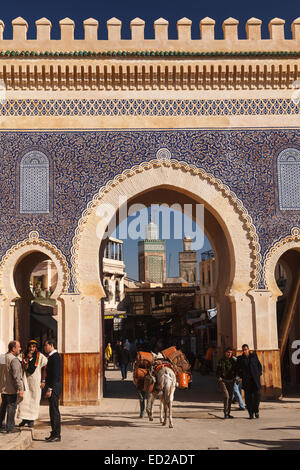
(23, 377)
(234, 373)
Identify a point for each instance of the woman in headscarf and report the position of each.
(34, 374)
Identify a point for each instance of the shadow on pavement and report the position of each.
(94, 421)
(291, 428)
(283, 444)
(204, 389)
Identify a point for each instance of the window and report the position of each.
(34, 183)
(116, 251)
(120, 253)
(117, 291)
(106, 288)
(288, 166)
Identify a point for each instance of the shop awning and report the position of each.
(45, 320)
(110, 315)
(42, 309)
(207, 325)
(192, 321)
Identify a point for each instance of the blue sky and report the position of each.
(172, 249)
(173, 245)
(149, 11)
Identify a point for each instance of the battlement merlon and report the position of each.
(276, 42)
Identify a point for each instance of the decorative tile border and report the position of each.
(148, 107)
(147, 53)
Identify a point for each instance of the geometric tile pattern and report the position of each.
(155, 268)
(147, 107)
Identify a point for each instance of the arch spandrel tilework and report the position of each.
(288, 164)
(82, 161)
(34, 183)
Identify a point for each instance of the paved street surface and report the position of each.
(198, 422)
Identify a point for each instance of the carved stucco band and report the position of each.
(33, 242)
(273, 255)
(180, 165)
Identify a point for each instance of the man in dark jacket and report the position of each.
(249, 369)
(53, 389)
(226, 375)
(124, 359)
(118, 349)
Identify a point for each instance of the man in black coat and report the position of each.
(249, 369)
(118, 349)
(124, 359)
(53, 389)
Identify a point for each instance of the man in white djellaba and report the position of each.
(34, 374)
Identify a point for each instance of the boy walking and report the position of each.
(226, 375)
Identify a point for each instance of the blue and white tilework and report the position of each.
(82, 161)
(148, 107)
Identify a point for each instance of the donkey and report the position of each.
(164, 390)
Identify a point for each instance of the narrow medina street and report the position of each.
(198, 422)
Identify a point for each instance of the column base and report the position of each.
(81, 375)
(271, 386)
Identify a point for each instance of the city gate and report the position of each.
(214, 121)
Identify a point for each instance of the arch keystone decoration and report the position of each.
(176, 175)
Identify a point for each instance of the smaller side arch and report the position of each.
(289, 242)
(15, 254)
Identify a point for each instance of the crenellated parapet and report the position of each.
(276, 42)
(161, 63)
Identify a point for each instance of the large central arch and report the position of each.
(187, 179)
(220, 203)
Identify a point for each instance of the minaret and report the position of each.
(188, 262)
(152, 256)
(151, 231)
(187, 243)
